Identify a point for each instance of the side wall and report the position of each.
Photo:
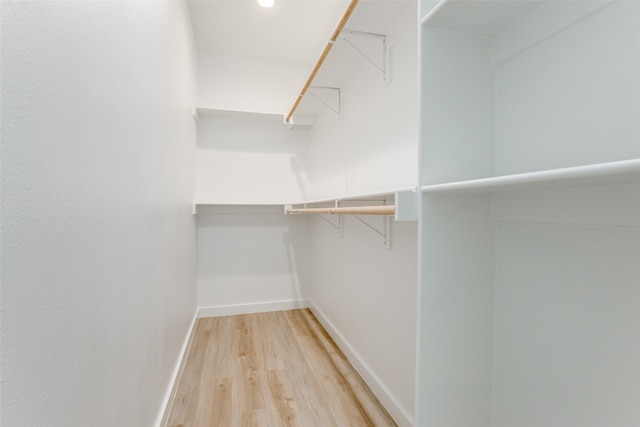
(364, 294)
(375, 147)
(98, 243)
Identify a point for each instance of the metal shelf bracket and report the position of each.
(384, 66)
(353, 211)
(386, 229)
(338, 226)
(334, 104)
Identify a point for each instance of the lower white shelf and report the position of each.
(404, 209)
(235, 209)
(611, 173)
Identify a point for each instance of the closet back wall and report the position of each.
(250, 256)
(253, 160)
(244, 83)
(251, 259)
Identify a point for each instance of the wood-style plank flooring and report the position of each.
(270, 369)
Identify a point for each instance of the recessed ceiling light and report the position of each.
(265, 3)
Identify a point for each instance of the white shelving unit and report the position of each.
(530, 215)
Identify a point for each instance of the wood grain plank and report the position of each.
(270, 370)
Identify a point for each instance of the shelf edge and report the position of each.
(531, 179)
(354, 197)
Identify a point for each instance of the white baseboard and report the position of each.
(170, 393)
(262, 307)
(399, 414)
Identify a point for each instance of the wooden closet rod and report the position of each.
(323, 56)
(355, 210)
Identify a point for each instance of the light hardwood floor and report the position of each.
(270, 369)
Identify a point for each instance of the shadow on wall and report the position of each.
(248, 258)
(259, 161)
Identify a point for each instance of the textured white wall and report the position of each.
(98, 247)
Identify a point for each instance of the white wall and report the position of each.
(250, 161)
(364, 293)
(98, 248)
(251, 259)
(237, 82)
(375, 146)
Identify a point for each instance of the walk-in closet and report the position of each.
(320, 212)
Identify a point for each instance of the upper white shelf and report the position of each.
(481, 18)
(305, 123)
(601, 174)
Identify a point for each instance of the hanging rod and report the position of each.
(355, 210)
(323, 56)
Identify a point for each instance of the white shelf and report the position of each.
(239, 115)
(404, 198)
(346, 197)
(236, 208)
(481, 18)
(405, 201)
(529, 226)
(355, 197)
(304, 124)
(612, 173)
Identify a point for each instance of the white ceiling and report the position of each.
(296, 31)
(291, 30)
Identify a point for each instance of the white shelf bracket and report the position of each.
(383, 64)
(340, 223)
(386, 229)
(334, 104)
(336, 226)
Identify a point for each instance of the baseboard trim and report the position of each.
(262, 307)
(170, 394)
(387, 399)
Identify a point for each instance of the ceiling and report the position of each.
(296, 31)
(291, 30)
